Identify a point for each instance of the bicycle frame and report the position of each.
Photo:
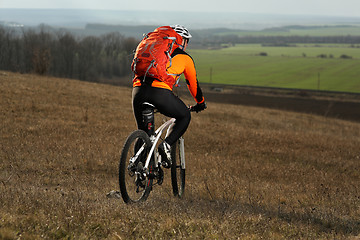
(136, 175)
(155, 138)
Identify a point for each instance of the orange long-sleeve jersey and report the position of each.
(181, 63)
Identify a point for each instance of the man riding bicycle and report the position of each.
(159, 93)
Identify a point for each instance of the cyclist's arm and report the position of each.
(191, 80)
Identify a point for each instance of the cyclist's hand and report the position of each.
(198, 107)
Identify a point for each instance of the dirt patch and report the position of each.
(328, 108)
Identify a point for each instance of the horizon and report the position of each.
(71, 17)
(183, 12)
(344, 8)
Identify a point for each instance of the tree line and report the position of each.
(61, 54)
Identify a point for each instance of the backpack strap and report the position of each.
(152, 64)
(170, 48)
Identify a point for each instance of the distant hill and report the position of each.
(79, 18)
(129, 31)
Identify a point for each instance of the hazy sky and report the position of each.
(316, 7)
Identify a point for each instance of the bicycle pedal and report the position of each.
(166, 164)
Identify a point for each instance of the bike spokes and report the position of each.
(135, 183)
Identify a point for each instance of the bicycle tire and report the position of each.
(132, 188)
(177, 172)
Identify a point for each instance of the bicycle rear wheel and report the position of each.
(178, 168)
(135, 184)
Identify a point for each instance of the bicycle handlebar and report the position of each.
(198, 107)
(191, 109)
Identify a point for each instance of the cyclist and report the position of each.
(161, 96)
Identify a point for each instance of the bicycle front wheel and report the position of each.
(135, 183)
(178, 168)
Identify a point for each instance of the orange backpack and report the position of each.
(154, 52)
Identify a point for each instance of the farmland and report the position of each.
(252, 172)
(329, 67)
(325, 30)
(282, 61)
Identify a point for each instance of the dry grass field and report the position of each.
(252, 172)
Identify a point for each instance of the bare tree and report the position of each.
(88, 61)
(66, 50)
(44, 51)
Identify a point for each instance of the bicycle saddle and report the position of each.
(148, 105)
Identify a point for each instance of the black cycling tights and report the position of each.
(167, 103)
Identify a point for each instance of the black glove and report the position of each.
(198, 107)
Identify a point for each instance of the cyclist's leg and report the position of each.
(167, 103)
(139, 97)
(172, 106)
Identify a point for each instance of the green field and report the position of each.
(335, 30)
(284, 67)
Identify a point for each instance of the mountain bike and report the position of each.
(140, 165)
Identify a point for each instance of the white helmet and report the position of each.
(182, 31)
